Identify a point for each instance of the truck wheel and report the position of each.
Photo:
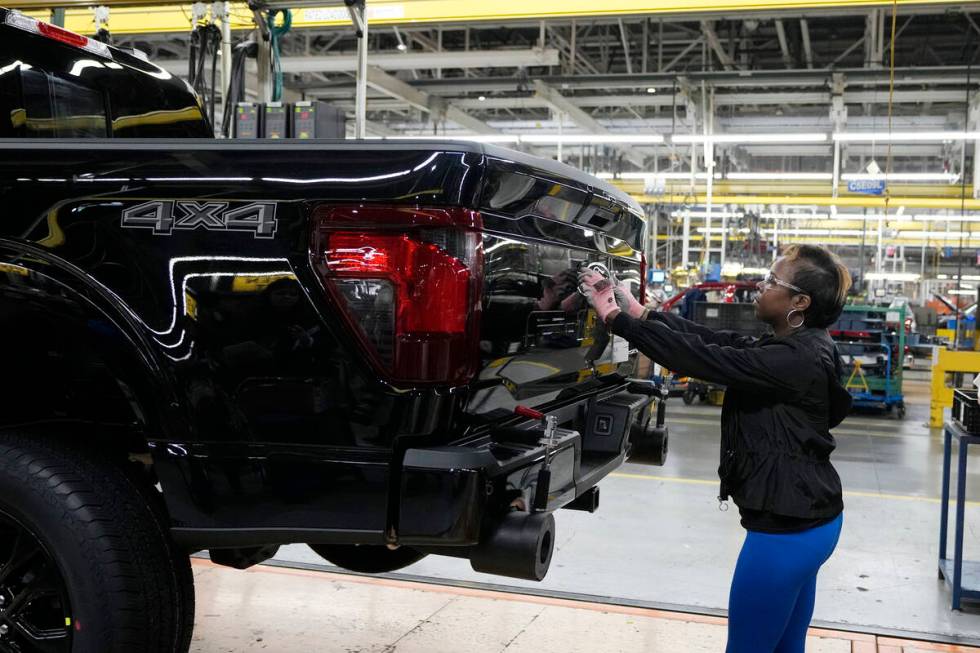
(659, 440)
(180, 560)
(368, 558)
(688, 397)
(83, 564)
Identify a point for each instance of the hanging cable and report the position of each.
(891, 93)
(959, 254)
(205, 43)
(275, 34)
(236, 87)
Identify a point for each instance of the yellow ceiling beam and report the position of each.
(871, 226)
(146, 16)
(146, 20)
(869, 202)
(766, 187)
(839, 240)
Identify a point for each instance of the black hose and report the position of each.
(236, 86)
(205, 42)
(215, 50)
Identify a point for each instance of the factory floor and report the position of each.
(286, 610)
(649, 571)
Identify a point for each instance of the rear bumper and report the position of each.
(451, 495)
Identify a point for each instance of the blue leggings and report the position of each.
(774, 587)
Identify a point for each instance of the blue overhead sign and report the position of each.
(866, 186)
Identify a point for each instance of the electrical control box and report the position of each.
(303, 120)
(316, 119)
(274, 120)
(247, 116)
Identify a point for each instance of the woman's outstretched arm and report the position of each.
(724, 338)
(777, 368)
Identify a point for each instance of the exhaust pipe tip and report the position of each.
(520, 547)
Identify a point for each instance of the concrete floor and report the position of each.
(286, 610)
(659, 539)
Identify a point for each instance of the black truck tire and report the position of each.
(180, 559)
(368, 558)
(98, 544)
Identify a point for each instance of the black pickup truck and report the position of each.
(372, 347)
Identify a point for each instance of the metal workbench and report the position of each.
(962, 576)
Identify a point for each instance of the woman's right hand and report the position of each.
(600, 293)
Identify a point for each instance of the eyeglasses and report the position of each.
(771, 281)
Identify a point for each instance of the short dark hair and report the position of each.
(824, 278)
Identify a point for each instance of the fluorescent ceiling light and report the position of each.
(750, 138)
(719, 230)
(585, 139)
(795, 216)
(872, 234)
(905, 137)
(903, 176)
(952, 236)
(947, 218)
(867, 217)
(892, 276)
(782, 176)
(814, 232)
(652, 176)
(704, 214)
(475, 138)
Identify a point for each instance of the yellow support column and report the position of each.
(945, 361)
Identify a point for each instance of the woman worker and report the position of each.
(783, 397)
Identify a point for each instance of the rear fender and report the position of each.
(70, 352)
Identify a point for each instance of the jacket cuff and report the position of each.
(622, 324)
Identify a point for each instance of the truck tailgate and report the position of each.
(542, 223)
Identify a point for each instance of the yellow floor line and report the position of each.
(844, 432)
(669, 479)
(847, 493)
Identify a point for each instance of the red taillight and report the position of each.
(409, 284)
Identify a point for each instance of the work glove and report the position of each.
(600, 293)
(628, 303)
(624, 298)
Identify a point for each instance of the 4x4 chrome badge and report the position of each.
(166, 216)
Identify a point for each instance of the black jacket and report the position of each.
(783, 396)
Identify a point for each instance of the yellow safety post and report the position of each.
(860, 374)
(945, 361)
(948, 334)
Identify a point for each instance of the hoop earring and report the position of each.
(789, 316)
